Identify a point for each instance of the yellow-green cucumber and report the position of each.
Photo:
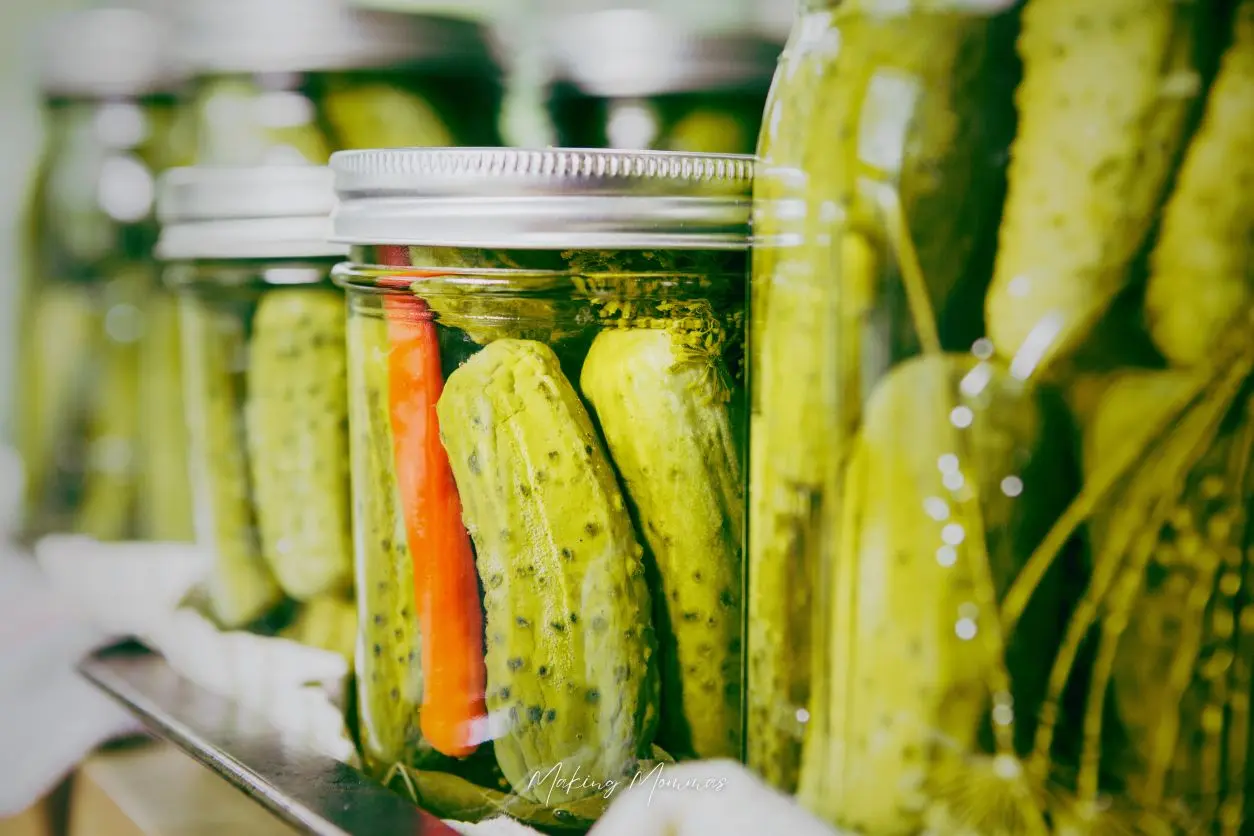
(571, 652)
(239, 586)
(1081, 202)
(1202, 267)
(297, 426)
(905, 665)
(388, 662)
(672, 441)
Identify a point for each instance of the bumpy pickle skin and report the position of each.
(388, 664)
(297, 417)
(852, 77)
(1080, 203)
(901, 669)
(672, 441)
(570, 641)
(240, 586)
(1202, 267)
(379, 115)
(165, 501)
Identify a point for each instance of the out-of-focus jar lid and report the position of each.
(634, 53)
(543, 199)
(107, 53)
(209, 212)
(288, 36)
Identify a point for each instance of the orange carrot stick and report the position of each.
(445, 583)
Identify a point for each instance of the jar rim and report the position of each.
(556, 198)
(246, 212)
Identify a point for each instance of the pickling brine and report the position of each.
(1001, 418)
(546, 416)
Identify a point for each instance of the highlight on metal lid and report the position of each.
(246, 212)
(621, 53)
(283, 36)
(107, 53)
(543, 199)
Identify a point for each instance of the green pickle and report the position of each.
(241, 587)
(297, 418)
(667, 424)
(999, 572)
(523, 449)
(389, 671)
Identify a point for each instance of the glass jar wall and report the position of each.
(546, 411)
(630, 78)
(266, 399)
(279, 81)
(98, 412)
(1000, 421)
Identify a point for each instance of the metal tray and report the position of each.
(311, 791)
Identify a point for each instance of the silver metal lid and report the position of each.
(107, 53)
(282, 36)
(244, 213)
(632, 52)
(558, 198)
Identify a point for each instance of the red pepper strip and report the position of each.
(445, 583)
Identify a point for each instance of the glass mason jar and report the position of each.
(279, 81)
(546, 409)
(98, 414)
(998, 505)
(263, 347)
(630, 78)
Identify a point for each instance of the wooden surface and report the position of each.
(149, 790)
(157, 790)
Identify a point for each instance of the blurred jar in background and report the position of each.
(94, 378)
(245, 249)
(633, 78)
(291, 81)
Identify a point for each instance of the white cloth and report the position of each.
(49, 717)
(704, 798)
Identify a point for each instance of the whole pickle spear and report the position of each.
(1103, 109)
(1203, 264)
(388, 663)
(240, 586)
(895, 133)
(671, 438)
(895, 735)
(571, 651)
(297, 416)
